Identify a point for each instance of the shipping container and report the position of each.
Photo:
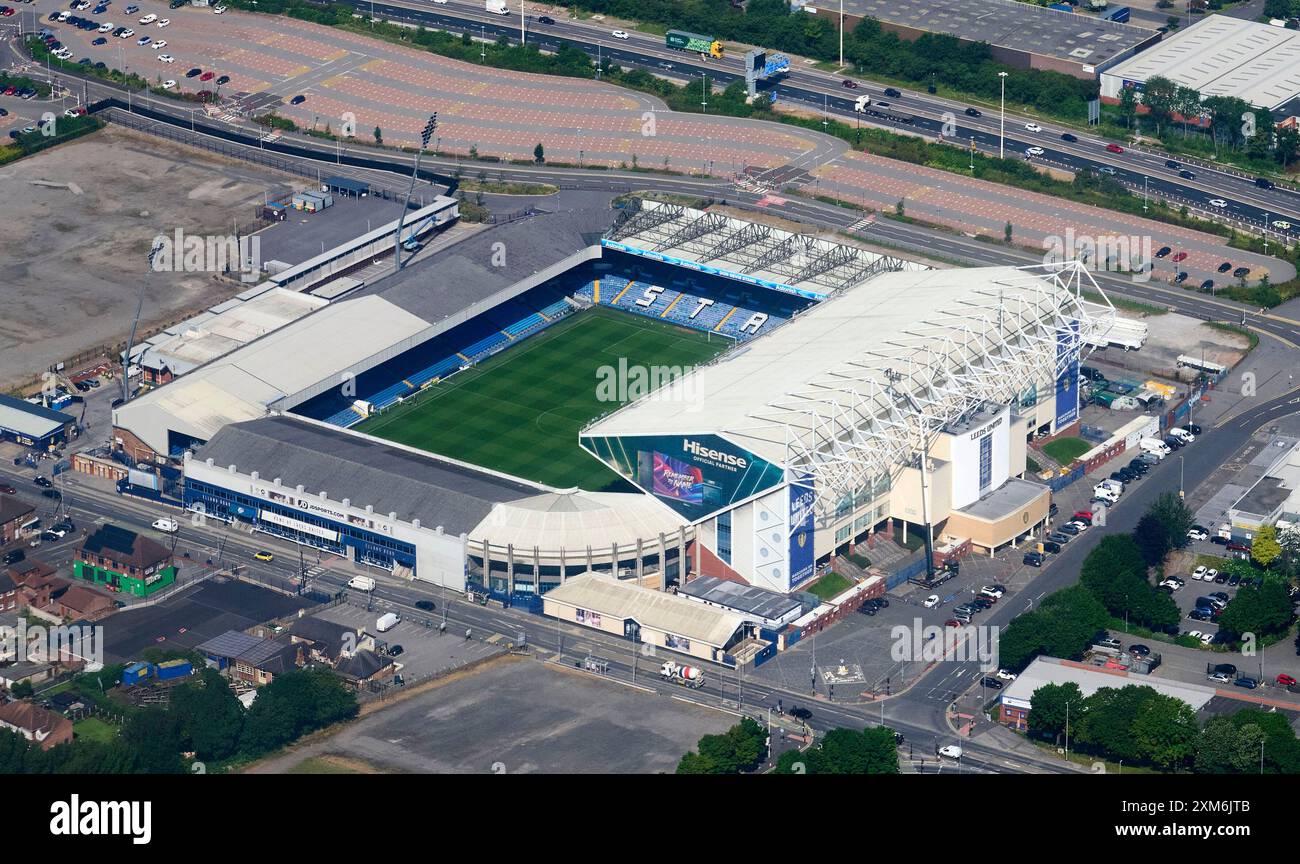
(174, 669)
(137, 673)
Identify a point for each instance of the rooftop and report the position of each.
(1005, 500)
(1224, 56)
(654, 609)
(1050, 670)
(1083, 39)
(744, 598)
(123, 546)
(12, 508)
(33, 421)
(367, 470)
(572, 519)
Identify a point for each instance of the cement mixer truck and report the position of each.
(689, 676)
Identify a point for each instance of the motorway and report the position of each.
(823, 91)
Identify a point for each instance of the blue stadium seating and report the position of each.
(725, 315)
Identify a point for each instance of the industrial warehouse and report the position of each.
(811, 439)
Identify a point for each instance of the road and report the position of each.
(823, 91)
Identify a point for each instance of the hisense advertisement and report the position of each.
(696, 475)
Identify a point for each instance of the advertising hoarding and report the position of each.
(695, 475)
(1067, 383)
(802, 556)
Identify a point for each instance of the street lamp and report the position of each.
(1180, 478)
(1002, 124)
(425, 134)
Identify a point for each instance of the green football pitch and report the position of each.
(520, 411)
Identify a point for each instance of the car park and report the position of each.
(994, 591)
(981, 603)
(149, 19)
(1179, 256)
(395, 650)
(952, 622)
(217, 10)
(1219, 677)
(1234, 580)
(1200, 614)
(1052, 547)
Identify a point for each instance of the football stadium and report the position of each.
(687, 393)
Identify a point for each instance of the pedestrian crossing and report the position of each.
(863, 223)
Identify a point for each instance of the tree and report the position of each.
(292, 705)
(1176, 518)
(1152, 540)
(1262, 610)
(1166, 732)
(1226, 748)
(1128, 105)
(539, 153)
(1047, 709)
(1265, 549)
(154, 736)
(740, 748)
(211, 717)
(22, 690)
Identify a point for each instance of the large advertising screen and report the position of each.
(696, 475)
(1067, 385)
(676, 480)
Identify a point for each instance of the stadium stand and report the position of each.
(741, 315)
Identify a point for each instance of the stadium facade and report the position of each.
(803, 438)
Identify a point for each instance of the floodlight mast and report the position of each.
(924, 457)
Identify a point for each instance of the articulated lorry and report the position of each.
(683, 41)
(688, 676)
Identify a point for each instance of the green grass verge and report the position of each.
(1251, 335)
(1066, 450)
(830, 585)
(1126, 305)
(520, 411)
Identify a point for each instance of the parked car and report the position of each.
(1006, 675)
(1248, 683)
(1285, 680)
(1241, 273)
(1207, 285)
(1196, 532)
(1163, 251)
(42, 480)
(1225, 266)
(1034, 559)
(1139, 650)
(990, 682)
(1070, 528)
(931, 601)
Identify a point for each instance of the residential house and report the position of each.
(13, 514)
(362, 667)
(80, 603)
(329, 642)
(36, 724)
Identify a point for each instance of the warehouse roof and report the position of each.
(1083, 39)
(744, 598)
(33, 421)
(1050, 670)
(667, 613)
(1223, 56)
(368, 471)
(282, 364)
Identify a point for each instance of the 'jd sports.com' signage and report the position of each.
(696, 475)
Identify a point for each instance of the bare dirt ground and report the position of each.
(79, 220)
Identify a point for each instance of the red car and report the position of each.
(1285, 680)
(10, 90)
(1114, 148)
(952, 622)
(207, 76)
(1083, 516)
(1179, 256)
(8, 490)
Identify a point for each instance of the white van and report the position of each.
(362, 583)
(388, 621)
(1105, 493)
(1114, 485)
(1154, 446)
(1182, 434)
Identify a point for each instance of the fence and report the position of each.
(905, 573)
(1056, 484)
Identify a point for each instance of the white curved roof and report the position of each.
(573, 520)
